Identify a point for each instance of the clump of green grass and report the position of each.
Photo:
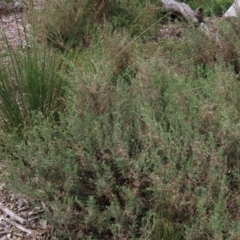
(66, 24)
(30, 83)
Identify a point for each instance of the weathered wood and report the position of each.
(13, 215)
(184, 10)
(196, 17)
(234, 10)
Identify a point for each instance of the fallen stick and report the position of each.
(20, 227)
(234, 10)
(13, 215)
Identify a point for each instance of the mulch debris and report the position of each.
(21, 220)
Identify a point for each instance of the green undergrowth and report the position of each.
(147, 145)
(211, 7)
(66, 24)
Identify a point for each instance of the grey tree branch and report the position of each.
(196, 17)
(234, 10)
(13, 215)
(184, 10)
(20, 227)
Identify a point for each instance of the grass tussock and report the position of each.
(67, 24)
(30, 82)
(147, 146)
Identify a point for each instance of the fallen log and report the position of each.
(183, 10)
(197, 17)
(234, 10)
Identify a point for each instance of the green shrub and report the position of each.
(147, 147)
(137, 156)
(91, 167)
